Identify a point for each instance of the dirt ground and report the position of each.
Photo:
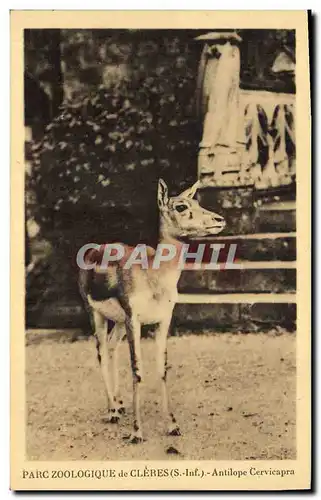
(233, 396)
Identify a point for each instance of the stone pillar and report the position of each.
(220, 157)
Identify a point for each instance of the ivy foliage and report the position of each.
(95, 172)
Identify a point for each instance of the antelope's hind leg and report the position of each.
(105, 365)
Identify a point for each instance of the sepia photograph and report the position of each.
(160, 249)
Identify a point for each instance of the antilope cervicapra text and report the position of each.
(133, 295)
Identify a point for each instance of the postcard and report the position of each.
(160, 250)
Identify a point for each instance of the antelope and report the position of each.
(133, 295)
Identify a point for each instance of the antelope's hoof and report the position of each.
(112, 417)
(134, 439)
(121, 409)
(174, 432)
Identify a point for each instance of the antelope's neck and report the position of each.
(173, 246)
(166, 238)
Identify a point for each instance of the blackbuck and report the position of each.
(132, 292)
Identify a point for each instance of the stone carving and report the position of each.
(248, 136)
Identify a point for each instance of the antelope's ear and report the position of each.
(190, 192)
(162, 195)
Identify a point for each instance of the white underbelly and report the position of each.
(149, 310)
(146, 309)
(154, 313)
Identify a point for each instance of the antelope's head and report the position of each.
(182, 216)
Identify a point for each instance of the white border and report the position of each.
(5, 162)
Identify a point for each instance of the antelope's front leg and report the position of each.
(133, 329)
(161, 345)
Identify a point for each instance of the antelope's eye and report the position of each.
(181, 208)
